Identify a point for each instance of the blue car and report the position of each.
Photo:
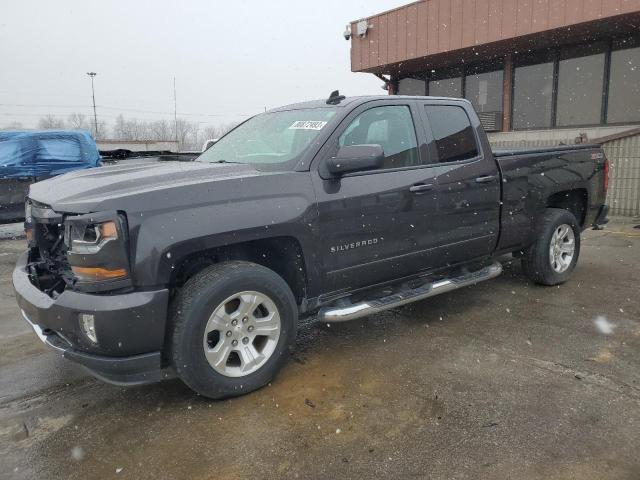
(28, 157)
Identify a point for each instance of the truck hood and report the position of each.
(124, 186)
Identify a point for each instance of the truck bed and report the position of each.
(564, 176)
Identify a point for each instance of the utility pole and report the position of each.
(175, 113)
(93, 95)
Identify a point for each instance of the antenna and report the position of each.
(175, 112)
(335, 98)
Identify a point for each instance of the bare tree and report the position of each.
(49, 122)
(78, 121)
(13, 126)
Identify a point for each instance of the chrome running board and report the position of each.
(362, 309)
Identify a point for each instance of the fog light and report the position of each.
(87, 323)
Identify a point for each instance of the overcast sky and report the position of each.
(230, 59)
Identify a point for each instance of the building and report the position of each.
(538, 72)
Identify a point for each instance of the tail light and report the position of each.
(606, 175)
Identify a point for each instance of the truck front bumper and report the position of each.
(129, 328)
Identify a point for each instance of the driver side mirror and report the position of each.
(356, 158)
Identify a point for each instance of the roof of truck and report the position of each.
(350, 101)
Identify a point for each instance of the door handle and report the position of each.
(420, 188)
(486, 179)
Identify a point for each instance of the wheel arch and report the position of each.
(574, 200)
(282, 254)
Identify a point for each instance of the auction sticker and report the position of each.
(307, 125)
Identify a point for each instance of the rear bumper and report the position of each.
(129, 327)
(601, 217)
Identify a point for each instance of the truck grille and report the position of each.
(48, 267)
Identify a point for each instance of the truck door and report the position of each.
(374, 226)
(16, 174)
(467, 187)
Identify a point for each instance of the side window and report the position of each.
(62, 149)
(392, 128)
(452, 131)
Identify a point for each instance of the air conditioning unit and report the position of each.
(491, 121)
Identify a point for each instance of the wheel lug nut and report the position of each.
(234, 343)
(250, 328)
(244, 320)
(245, 340)
(228, 333)
(234, 322)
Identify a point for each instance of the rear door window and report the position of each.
(60, 149)
(452, 131)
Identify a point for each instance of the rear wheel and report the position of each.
(233, 324)
(552, 258)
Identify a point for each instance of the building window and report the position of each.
(484, 91)
(624, 86)
(411, 86)
(452, 133)
(392, 128)
(446, 87)
(580, 89)
(533, 96)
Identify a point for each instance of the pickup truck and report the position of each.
(338, 208)
(27, 157)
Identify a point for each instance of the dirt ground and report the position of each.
(502, 380)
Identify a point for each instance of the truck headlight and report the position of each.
(97, 251)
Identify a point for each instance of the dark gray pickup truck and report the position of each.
(339, 208)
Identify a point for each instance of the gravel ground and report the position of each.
(502, 380)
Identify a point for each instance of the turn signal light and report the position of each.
(93, 274)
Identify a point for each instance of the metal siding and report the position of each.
(412, 31)
(556, 13)
(482, 21)
(540, 15)
(495, 14)
(423, 29)
(432, 33)
(624, 176)
(356, 63)
(444, 24)
(509, 9)
(574, 10)
(468, 22)
(610, 7)
(374, 35)
(383, 56)
(455, 37)
(523, 17)
(593, 8)
(402, 34)
(392, 43)
(430, 27)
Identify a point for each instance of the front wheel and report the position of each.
(552, 258)
(233, 324)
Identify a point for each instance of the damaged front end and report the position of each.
(74, 287)
(86, 253)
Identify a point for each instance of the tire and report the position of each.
(538, 260)
(199, 358)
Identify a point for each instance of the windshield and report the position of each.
(270, 138)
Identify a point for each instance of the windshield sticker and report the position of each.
(307, 125)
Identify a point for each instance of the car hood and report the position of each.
(135, 186)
